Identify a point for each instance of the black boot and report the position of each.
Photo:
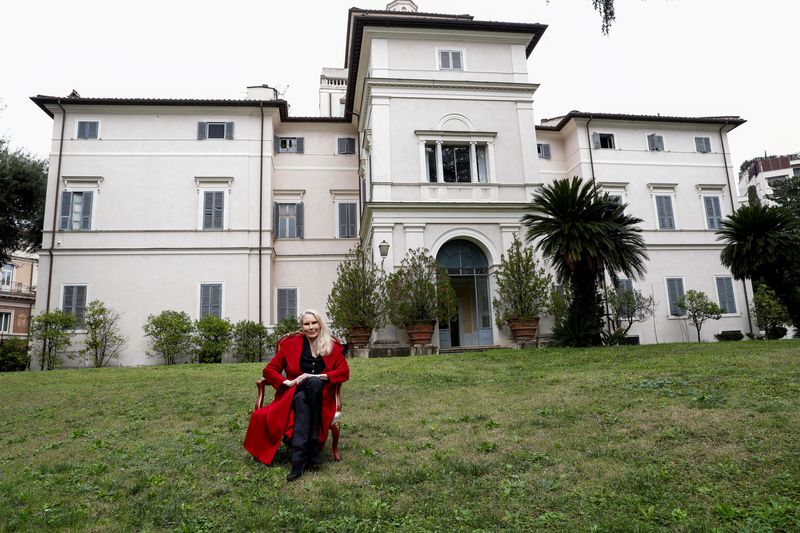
(314, 455)
(296, 472)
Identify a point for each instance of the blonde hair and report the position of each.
(324, 342)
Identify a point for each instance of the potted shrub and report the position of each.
(354, 303)
(418, 295)
(523, 291)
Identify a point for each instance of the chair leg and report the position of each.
(335, 443)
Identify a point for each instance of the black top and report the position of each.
(308, 363)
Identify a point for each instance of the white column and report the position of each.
(439, 164)
(473, 162)
(415, 236)
(490, 162)
(423, 162)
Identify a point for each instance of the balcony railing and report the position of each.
(18, 289)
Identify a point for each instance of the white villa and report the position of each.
(427, 138)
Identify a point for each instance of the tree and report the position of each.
(23, 182)
(355, 298)
(770, 313)
(699, 309)
(212, 338)
(786, 194)
(763, 243)
(170, 335)
(584, 234)
(52, 329)
(628, 307)
(523, 287)
(103, 341)
(290, 324)
(249, 341)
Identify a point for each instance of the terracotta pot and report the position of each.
(359, 336)
(524, 330)
(421, 332)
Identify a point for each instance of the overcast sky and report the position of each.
(673, 57)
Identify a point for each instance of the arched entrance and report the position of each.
(469, 273)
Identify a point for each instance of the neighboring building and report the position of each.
(427, 139)
(763, 172)
(17, 294)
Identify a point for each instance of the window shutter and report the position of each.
(342, 145)
(725, 291)
(229, 130)
(351, 145)
(208, 210)
(651, 142)
(277, 144)
(276, 231)
(66, 208)
(205, 300)
(300, 145)
(660, 143)
(292, 301)
(711, 221)
(282, 304)
(703, 144)
(545, 151)
(215, 302)
(201, 131)
(299, 217)
(219, 210)
(456, 60)
(596, 139)
(86, 214)
(343, 220)
(666, 220)
(674, 292)
(91, 130)
(444, 59)
(80, 304)
(351, 209)
(82, 130)
(68, 306)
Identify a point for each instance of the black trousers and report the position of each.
(307, 415)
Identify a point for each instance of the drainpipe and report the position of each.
(733, 209)
(589, 139)
(260, 210)
(358, 168)
(55, 206)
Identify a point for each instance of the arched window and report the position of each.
(461, 257)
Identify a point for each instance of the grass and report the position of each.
(681, 437)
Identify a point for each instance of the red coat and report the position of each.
(270, 424)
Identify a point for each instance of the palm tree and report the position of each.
(583, 234)
(763, 243)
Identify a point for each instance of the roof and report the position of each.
(557, 123)
(44, 101)
(359, 18)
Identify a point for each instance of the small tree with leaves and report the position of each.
(627, 307)
(212, 338)
(523, 286)
(355, 298)
(170, 334)
(52, 329)
(771, 314)
(699, 309)
(249, 341)
(103, 341)
(290, 324)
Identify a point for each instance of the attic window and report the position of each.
(450, 60)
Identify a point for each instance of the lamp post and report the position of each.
(383, 247)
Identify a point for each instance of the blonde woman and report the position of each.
(305, 402)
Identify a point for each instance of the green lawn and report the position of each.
(674, 437)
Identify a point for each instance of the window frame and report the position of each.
(9, 323)
(671, 196)
(349, 148)
(72, 191)
(199, 308)
(79, 325)
(543, 150)
(718, 197)
(277, 303)
(87, 121)
(7, 268)
(337, 217)
(450, 51)
(735, 311)
(298, 148)
(658, 142)
(204, 128)
(206, 184)
(599, 136)
(706, 144)
(670, 316)
(625, 281)
(438, 137)
(299, 219)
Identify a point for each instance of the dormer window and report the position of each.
(451, 60)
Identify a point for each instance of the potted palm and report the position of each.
(523, 291)
(418, 295)
(355, 302)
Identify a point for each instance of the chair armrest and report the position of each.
(260, 384)
(338, 389)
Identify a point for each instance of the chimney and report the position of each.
(261, 92)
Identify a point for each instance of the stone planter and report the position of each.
(524, 330)
(421, 332)
(359, 336)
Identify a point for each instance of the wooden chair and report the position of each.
(335, 426)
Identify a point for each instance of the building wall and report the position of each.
(18, 296)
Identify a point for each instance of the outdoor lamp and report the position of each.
(383, 247)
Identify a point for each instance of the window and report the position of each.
(775, 179)
(74, 303)
(287, 303)
(450, 60)
(289, 220)
(211, 300)
(727, 301)
(5, 322)
(674, 295)
(655, 142)
(346, 145)
(713, 210)
(796, 172)
(702, 144)
(603, 140)
(88, 129)
(624, 288)
(666, 218)
(460, 162)
(289, 145)
(615, 197)
(543, 150)
(214, 130)
(6, 274)
(76, 210)
(213, 209)
(347, 220)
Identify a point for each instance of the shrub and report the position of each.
(52, 330)
(13, 355)
(170, 335)
(104, 341)
(249, 341)
(290, 324)
(771, 314)
(523, 287)
(355, 298)
(776, 332)
(212, 339)
(729, 335)
(699, 309)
